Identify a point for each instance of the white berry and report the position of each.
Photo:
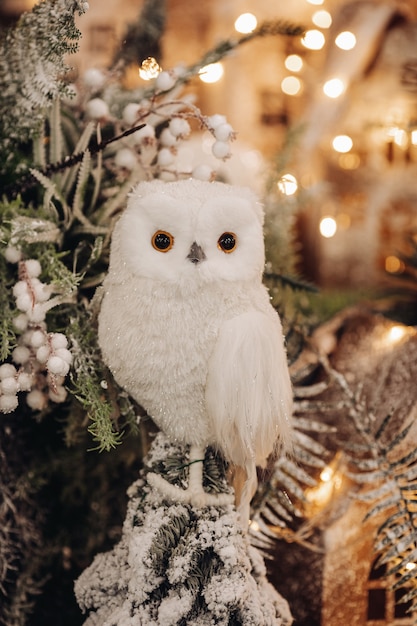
(64, 354)
(33, 268)
(97, 109)
(24, 302)
(21, 355)
(25, 381)
(36, 400)
(165, 80)
(12, 254)
(7, 370)
(8, 403)
(179, 127)
(215, 120)
(94, 78)
(9, 386)
(56, 365)
(165, 157)
(220, 149)
(59, 394)
(20, 322)
(37, 339)
(20, 289)
(223, 132)
(167, 139)
(130, 113)
(58, 340)
(202, 172)
(126, 159)
(43, 354)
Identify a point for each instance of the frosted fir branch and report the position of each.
(32, 64)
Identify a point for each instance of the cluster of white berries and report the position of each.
(41, 359)
(143, 148)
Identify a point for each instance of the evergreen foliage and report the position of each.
(178, 565)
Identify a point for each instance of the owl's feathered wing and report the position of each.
(248, 393)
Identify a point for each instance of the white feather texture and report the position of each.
(196, 341)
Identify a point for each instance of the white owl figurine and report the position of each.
(187, 328)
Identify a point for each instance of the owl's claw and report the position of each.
(194, 494)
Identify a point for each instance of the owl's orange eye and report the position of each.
(227, 242)
(162, 241)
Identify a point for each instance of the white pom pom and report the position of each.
(27, 338)
(58, 340)
(37, 339)
(20, 322)
(179, 127)
(43, 353)
(220, 149)
(21, 355)
(56, 365)
(126, 158)
(59, 394)
(20, 288)
(37, 314)
(165, 157)
(165, 80)
(94, 78)
(36, 400)
(25, 381)
(33, 268)
(202, 172)
(12, 254)
(130, 113)
(9, 386)
(144, 135)
(167, 139)
(215, 120)
(8, 404)
(96, 109)
(223, 132)
(64, 354)
(42, 292)
(7, 370)
(24, 302)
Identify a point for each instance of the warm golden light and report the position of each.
(349, 161)
(345, 40)
(410, 566)
(328, 227)
(414, 137)
(326, 474)
(393, 265)
(211, 73)
(322, 19)
(287, 184)
(291, 85)
(334, 87)
(253, 525)
(317, 2)
(149, 69)
(396, 333)
(313, 40)
(342, 143)
(246, 23)
(293, 62)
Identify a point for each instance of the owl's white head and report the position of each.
(190, 232)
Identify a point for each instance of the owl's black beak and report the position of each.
(196, 253)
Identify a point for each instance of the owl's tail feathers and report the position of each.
(245, 483)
